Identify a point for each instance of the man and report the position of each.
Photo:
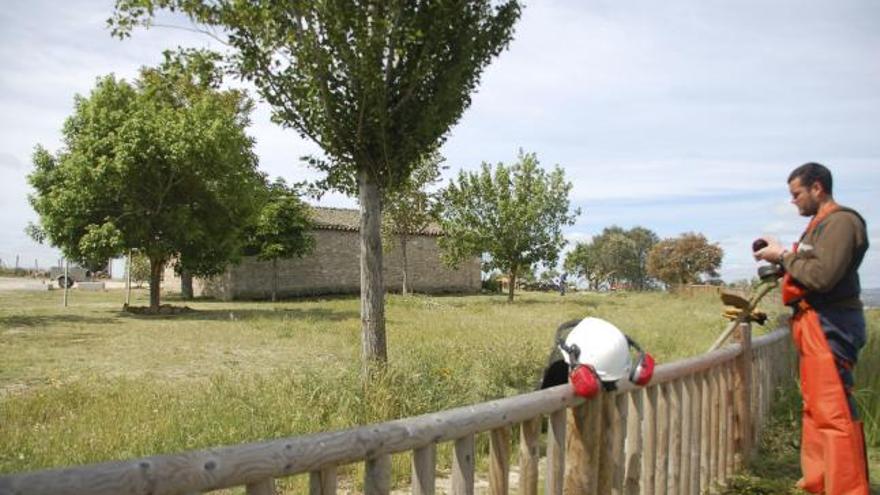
(821, 284)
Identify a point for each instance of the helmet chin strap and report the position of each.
(573, 351)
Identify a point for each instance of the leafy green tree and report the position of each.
(515, 215)
(681, 260)
(549, 276)
(162, 166)
(643, 241)
(140, 268)
(614, 257)
(281, 230)
(376, 84)
(409, 209)
(584, 261)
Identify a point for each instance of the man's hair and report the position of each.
(811, 172)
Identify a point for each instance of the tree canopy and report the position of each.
(281, 229)
(162, 166)
(614, 257)
(682, 259)
(512, 214)
(376, 84)
(410, 208)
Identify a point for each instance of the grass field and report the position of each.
(89, 383)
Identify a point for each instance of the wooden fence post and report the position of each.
(724, 425)
(704, 382)
(265, 487)
(529, 453)
(649, 438)
(715, 427)
(687, 427)
(743, 398)
(662, 456)
(323, 481)
(424, 463)
(499, 461)
(731, 418)
(618, 443)
(581, 466)
(463, 466)
(696, 444)
(377, 475)
(673, 472)
(556, 453)
(633, 449)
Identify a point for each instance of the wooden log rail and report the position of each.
(687, 432)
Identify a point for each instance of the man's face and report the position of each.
(807, 199)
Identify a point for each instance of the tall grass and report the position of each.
(89, 384)
(867, 375)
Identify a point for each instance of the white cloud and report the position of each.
(677, 116)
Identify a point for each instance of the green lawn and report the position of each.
(89, 383)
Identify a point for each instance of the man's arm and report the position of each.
(821, 268)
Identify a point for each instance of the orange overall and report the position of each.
(833, 457)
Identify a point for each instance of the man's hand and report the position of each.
(772, 253)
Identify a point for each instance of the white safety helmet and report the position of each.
(600, 345)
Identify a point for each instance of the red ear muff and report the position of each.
(585, 381)
(643, 370)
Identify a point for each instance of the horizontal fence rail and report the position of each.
(690, 429)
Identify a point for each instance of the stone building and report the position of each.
(333, 267)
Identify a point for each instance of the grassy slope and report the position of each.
(88, 383)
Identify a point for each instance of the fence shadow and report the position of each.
(236, 314)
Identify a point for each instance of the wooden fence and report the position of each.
(690, 429)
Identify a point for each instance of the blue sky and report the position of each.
(677, 116)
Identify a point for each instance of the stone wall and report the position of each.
(334, 268)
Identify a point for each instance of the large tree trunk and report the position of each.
(372, 287)
(156, 267)
(186, 285)
(511, 283)
(274, 278)
(403, 240)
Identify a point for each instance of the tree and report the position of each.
(584, 262)
(281, 230)
(375, 84)
(140, 268)
(681, 260)
(613, 257)
(643, 241)
(515, 216)
(410, 208)
(162, 166)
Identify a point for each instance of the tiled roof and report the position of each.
(347, 219)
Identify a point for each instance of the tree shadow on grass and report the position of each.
(519, 299)
(38, 321)
(237, 314)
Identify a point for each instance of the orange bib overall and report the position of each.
(833, 457)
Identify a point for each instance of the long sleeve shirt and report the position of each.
(828, 258)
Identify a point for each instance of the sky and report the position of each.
(678, 116)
